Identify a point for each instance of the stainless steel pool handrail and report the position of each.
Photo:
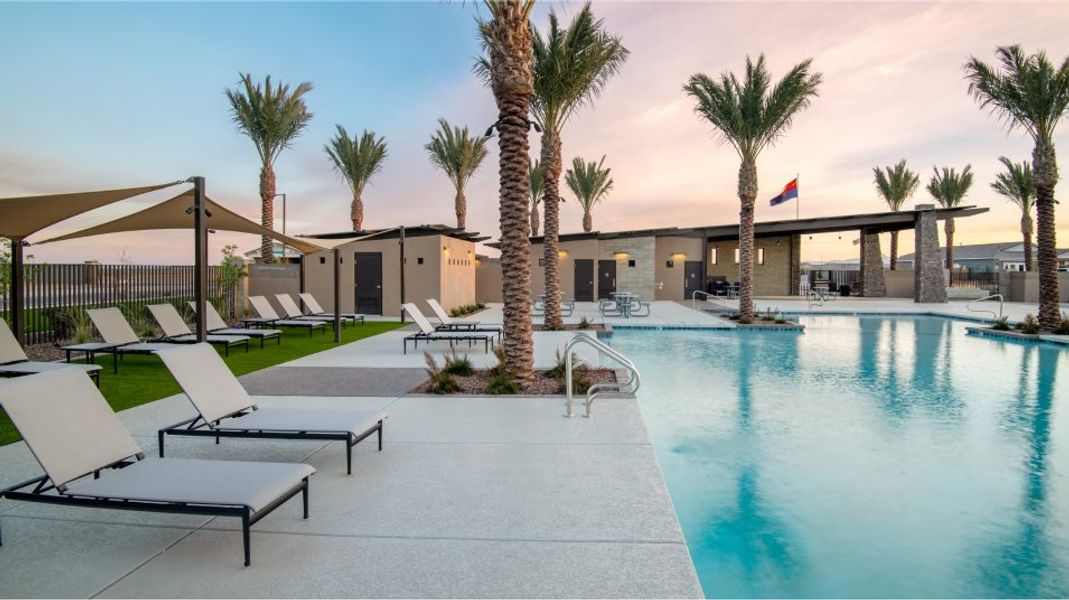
(983, 310)
(694, 298)
(811, 294)
(598, 390)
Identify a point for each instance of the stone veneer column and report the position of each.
(928, 284)
(796, 265)
(872, 282)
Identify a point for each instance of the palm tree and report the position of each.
(272, 117)
(590, 182)
(507, 67)
(535, 173)
(458, 153)
(1030, 93)
(1017, 185)
(571, 68)
(895, 184)
(751, 115)
(356, 160)
(949, 187)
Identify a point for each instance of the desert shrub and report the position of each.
(585, 323)
(1063, 326)
(1001, 324)
(1029, 325)
(467, 309)
(442, 382)
(501, 384)
(77, 326)
(458, 365)
(143, 325)
(558, 370)
(499, 369)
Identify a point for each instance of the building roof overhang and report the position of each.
(395, 232)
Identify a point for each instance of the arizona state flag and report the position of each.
(789, 191)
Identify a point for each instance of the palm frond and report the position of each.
(457, 152)
(1025, 91)
(356, 159)
(1016, 184)
(948, 186)
(537, 183)
(895, 184)
(589, 181)
(271, 116)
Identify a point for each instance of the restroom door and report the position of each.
(368, 283)
(606, 278)
(692, 278)
(584, 280)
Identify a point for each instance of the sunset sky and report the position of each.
(119, 95)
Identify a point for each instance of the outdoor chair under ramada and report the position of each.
(119, 337)
(266, 316)
(427, 332)
(15, 363)
(292, 311)
(225, 409)
(217, 325)
(315, 310)
(446, 323)
(90, 460)
(176, 331)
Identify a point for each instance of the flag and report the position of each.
(789, 191)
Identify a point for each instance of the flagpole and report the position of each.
(798, 200)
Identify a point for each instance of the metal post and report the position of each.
(337, 296)
(17, 297)
(401, 241)
(200, 237)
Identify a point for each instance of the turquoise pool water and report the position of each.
(867, 457)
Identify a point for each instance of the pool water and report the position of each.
(866, 457)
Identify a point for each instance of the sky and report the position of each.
(99, 96)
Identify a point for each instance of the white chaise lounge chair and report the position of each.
(119, 337)
(90, 460)
(292, 311)
(176, 331)
(217, 325)
(315, 310)
(446, 323)
(15, 363)
(428, 333)
(225, 409)
(266, 316)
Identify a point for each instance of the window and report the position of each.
(631, 262)
(322, 260)
(760, 256)
(712, 256)
(736, 256)
(541, 262)
(419, 260)
(669, 264)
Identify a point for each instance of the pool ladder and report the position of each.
(614, 389)
(984, 310)
(814, 296)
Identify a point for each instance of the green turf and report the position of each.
(143, 378)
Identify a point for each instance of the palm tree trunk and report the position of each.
(747, 195)
(535, 218)
(1045, 171)
(894, 250)
(515, 243)
(588, 221)
(356, 212)
(551, 166)
(267, 213)
(1026, 234)
(461, 205)
(948, 229)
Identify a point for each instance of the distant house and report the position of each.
(282, 253)
(988, 258)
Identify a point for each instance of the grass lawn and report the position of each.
(143, 378)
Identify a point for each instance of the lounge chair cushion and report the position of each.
(289, 307)
(30, 367)
(263, 308)
(10, 350)
(251, 484)
(66, 423)
(169, 320)
(307, 420)
(112, 325)
(206, 380)
(145, 347)
(256, 333)
(214, 337)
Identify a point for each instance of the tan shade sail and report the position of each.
(21, 217)
(172, 214)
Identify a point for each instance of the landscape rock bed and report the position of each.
(543, 385)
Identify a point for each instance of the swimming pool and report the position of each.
(869, 456)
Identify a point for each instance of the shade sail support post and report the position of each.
(401, 242)
(200, 237)
(17, 299)
(337, 295)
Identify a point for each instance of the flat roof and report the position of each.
(394, 232)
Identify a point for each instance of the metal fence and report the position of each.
(825, 279)
(987, 280)
(57, 294)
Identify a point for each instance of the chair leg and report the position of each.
(304, 497)
(159, 440)
(380, 436)
(348, 456)
(245, 536)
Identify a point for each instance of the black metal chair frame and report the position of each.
(42, 486)
(488, 340)
(257, 322)
(216, 342)
(252, 332)
(198, 427)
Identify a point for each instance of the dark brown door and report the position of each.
(692, 278)
(606, 278)
(584, 280)
(368, 282)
